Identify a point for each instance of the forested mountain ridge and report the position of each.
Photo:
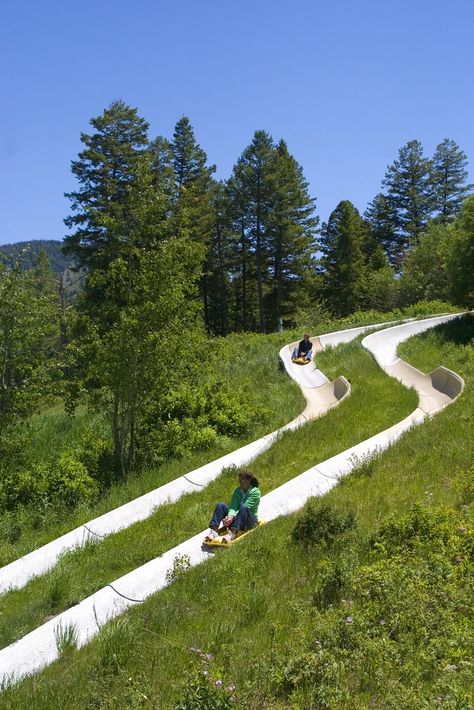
(26, 253)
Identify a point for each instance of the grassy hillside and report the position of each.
(371, 613)
(247, 362)
(82, 572)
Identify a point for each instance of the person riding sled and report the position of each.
(304, 349)
(241, 514)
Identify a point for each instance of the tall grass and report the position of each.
(248, 361)
(255, 607)
(376, 403)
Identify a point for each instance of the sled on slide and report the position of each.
(217, 542)
(300, 360)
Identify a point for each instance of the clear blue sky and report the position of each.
(346, 83)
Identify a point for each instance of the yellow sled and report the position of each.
(300, 360)
(217, 542)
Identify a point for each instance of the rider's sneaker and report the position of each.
(212, 534)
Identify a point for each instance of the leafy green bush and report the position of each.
(64, 483)
(418, 526)
(395, 626)
(335, 577)
(95, 453)
(71, 483)
(320, 524)
(193, 419)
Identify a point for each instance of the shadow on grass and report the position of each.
(459, 331)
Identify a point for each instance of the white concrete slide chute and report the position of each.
(320, 394)
(435, 390)
(39, 648)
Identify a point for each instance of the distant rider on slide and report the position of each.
(304, 349)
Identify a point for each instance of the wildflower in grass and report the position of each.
(348, 619)
(218, 683)
(450, 668)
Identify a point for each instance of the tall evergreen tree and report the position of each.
(243, 299)
(408, 184)
(105, 169)
(194, 186)
(251, 173)
(382, 218)
(449, 175)
(424, 273)
(162, 167)
(190, 160)
(134, 316)
(342, 243)
(290, 236)
(218, 264)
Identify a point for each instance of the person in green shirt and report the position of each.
(241, 514)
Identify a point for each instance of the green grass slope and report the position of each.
(86, 570)
(373, 611)
(372, 615)
(248, 363)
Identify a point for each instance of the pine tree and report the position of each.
(449, 175)
(290, 236)
(243, 299)
(105, 169)
(162, 167)
(193, 211)
(251, 175)
(190, 160)
(218, 264)
(424, 274)
(342, 243)
(382, 218)
(134, 317)
(408, 183)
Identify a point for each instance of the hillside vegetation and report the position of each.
(363, 599)
(26, 254)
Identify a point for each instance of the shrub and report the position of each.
(321, 524)
(71, 483)
(66, 483)
(420, 524)
(96, 454)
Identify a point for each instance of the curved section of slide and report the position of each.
(436, 389)
(40, 647)
(320, 394)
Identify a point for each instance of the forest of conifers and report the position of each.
(263, 256)
(168, 258)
